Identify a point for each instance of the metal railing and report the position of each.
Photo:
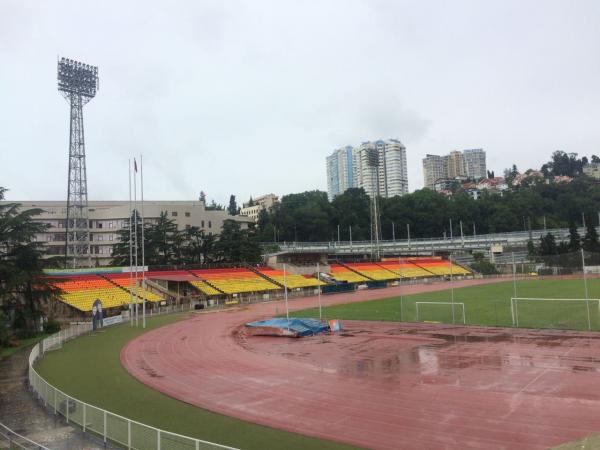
(447, 243)
(111, 428)
(11, 440)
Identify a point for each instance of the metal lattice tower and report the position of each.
(78, 83)
(373, 164)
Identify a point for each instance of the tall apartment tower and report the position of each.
(456, 165)
(435, 168)
(475, 163)
(391, 177)
(468, 163)
(340, 171)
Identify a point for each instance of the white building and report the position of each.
(340, 171)
(265, 202)
(475, 163)
(106, 218)
(378, 167)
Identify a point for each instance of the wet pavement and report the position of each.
(20, 411)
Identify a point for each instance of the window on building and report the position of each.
(174, 213)
(98, 224)
(209, 224)
(187, 214)
(202, 222)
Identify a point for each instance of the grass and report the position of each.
(5, 352)
(89, 369)
(484, 305)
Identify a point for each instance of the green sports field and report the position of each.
(89, 369)
(484, 305)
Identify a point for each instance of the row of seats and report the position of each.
(291, 280)
(204, 287)
(405, 270)
(235, 281)
(81, 292)
(373, 271)
(124, 282)
(442, 267)
(342, 273)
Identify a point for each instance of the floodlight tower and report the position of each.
(78, 83)
(373, 165)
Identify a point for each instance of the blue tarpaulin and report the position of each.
(295, 326)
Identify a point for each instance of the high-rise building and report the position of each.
(475, 163)
(340, 171)
(435, 167)
(456, 164)
(380, 168)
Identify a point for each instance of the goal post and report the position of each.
(449, 306)
(577, 309)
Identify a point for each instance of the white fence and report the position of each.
(111, 428)
(11, 440)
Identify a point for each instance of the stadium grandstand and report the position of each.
(342, 273)
(233, 281)
(80, 292)
(439, 266)
(293, 281)
(405, 269)
(113, 289)
(373, 271)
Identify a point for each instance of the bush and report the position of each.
(5, 331)
(485, 268)
(51, 327)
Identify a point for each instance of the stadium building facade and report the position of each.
(107, 218)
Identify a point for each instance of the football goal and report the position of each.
(557, 313)
(447, 312)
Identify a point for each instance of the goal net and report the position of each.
(556, 313)
(446, 312)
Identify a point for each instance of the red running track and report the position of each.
(382, 385)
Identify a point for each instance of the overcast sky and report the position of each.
(248, 97)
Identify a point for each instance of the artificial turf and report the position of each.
(488, 305)
(88, 368)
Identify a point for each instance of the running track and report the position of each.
(384, 385)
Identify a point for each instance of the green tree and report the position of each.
(548, 245)
(214, 206)
(120, 254)
(22, 285)
(232, 209)
(590, 240)
(236, 245)
(574, 238)
(163, 245)
(198, 247)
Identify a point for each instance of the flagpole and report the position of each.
(135, 234)
(130, 253)
(143, 245)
